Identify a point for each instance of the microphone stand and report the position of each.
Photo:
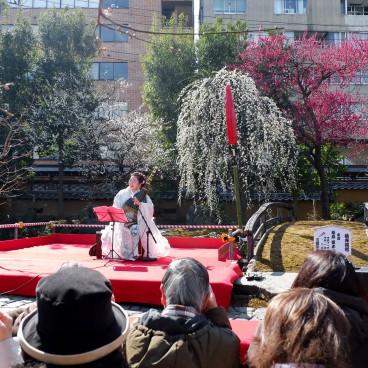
(149, 231)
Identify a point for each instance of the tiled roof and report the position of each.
(72, 191)
(83, 191)
(354, 184)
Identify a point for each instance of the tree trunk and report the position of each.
(325, 200)
(61, 180)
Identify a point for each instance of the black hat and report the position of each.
(75, 322)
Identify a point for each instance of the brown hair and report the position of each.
(330, 270)
(301, 326)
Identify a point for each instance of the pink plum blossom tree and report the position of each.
(314, 83)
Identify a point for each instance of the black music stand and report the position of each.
(149, 231)
(110, 214)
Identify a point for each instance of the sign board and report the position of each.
(332, 237)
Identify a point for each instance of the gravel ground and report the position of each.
(11, 302)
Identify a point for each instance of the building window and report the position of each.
(290, 6)
(335, 37)
(359, 35)
(255, 36)
(360, 109)
(115, 4)
(357, 10)
(111, 111)
(229, 6)
(361, 77)
(109, 71)
(339, 37)
(110, 35)
(55, 4)
(68, 3)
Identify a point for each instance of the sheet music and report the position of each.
(107, 214)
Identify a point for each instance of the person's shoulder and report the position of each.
(348, 303)
(145, 324)
(151, 315)
(122, 192)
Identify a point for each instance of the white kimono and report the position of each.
(126, 239)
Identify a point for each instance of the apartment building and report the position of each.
(121, 56)
(335, 19)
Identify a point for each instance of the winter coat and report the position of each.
(356, 311)
(200, 342)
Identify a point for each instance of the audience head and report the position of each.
(330, 270)
(75, 322)
(186, 282)
(301, 326)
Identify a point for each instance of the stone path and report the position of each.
(270, 284)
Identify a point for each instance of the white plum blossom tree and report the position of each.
(129, 142)
(132, 141)
(266, 153)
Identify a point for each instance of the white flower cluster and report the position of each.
(266, 151)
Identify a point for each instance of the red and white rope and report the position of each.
(80, 225)
(30, 224)
(8, 226)
(196, 226)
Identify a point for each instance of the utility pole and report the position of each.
(197, 17)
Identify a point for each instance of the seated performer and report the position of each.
(138, 208)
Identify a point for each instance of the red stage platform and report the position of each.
(23, 262)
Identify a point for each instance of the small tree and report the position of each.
(18, 53)
(169, 65)
(173, 61)
(130, 142)
(219, 45)
(59, 118)
(310, 81)
(64, 99)
(68, 43)
(13, 157)
(266, 151)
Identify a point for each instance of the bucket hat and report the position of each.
(75, 321)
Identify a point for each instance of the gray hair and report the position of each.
(186, 282)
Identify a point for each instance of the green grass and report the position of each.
(288, 244)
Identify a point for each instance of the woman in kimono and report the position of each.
(140, 227)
